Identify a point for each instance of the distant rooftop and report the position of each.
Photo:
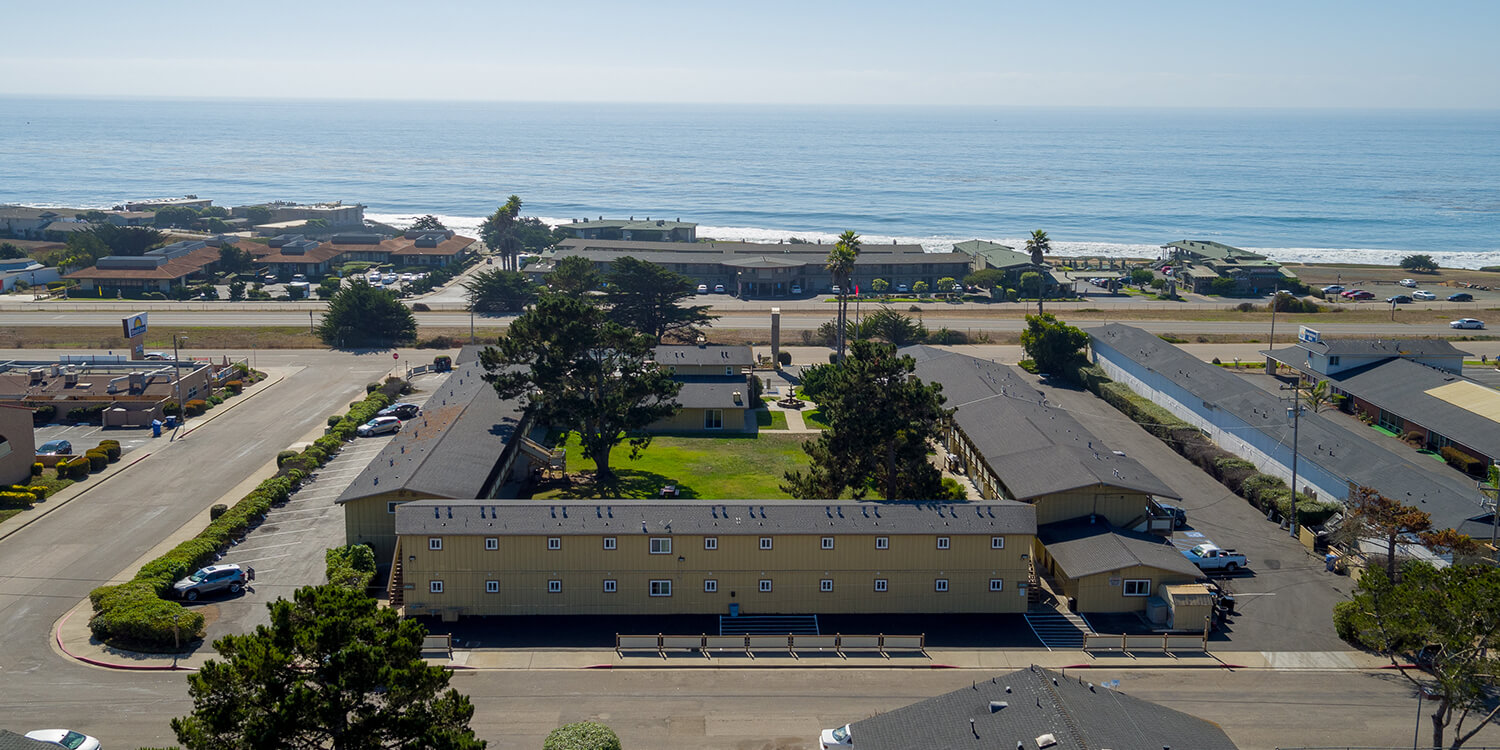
(994, 253)
(1214, 250)
(632, 224)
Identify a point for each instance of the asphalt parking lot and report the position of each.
(86, 436)
(1285, 601)
(287, 549)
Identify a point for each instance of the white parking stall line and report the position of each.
(258, 573)
(260, 535)
(268, 546)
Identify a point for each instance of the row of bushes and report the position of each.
(1264, 491)
(135, 614)
(1463, 461)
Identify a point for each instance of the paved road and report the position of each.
(50, 565)
(738, 320)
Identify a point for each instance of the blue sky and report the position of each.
(1178, 54)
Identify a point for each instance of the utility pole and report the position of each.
(1275, 297)
(1295, 413)
(177, 380)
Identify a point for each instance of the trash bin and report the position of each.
(1328, 561)
(171, 423)
(156, 428)
(734, 609)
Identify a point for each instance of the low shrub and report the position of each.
(218, 510)
(1343, 622)
(110, 448)
(89, 414)
(42, 413)
(37, 469)
(75, 469)
(97, 459)
(171, 408)
(371, 387)
(10, 499)
(234, 386)
(196, 407)
(281, 458)
(1462, 461)
(784, 358)
(1028, 365)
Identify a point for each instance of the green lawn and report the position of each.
(814, 418)
(7, 513)
(770, 420)
(708, 468)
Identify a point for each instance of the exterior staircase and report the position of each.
(769, 625)
(395, 590)
(1058, 629)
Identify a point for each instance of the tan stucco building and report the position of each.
(17, 444)
(1106, 569)
(525, 557)
(717, 388)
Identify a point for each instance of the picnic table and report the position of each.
(669, 491)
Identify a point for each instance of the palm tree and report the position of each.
(1038, 245)
(840, 265)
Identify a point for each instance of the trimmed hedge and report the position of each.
(1462, 461)
(137, 614)
(77, 468)
(97, 459)
(111, 449)
(9, 499)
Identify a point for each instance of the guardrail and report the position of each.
(1163, 643)
(791, 643)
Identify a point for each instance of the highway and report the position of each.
(790, 321)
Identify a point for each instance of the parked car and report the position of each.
(1362, 294)
(408, 277)
(796, 289)
(64, 738)
(837, 290)
(903, 288)
(718, 288)
(390, 278)
(65, 448)
(1333, 289)
(1467, 323)
(1399, 299)
(1179, 516)
(1422, 294)
(270, 278)
(211, 580)
(703, 289)
(1212, 557)
(1350, 292)
(378, 426)
(1408, 282)
(836, 737)
(300, 278)
(1461, 297)
(400, 411)
(158, 356)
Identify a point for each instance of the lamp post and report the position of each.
(1295, 413)
(1275, 297)
(177, 379)
(1417, 730)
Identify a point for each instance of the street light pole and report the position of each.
(177, 380)
(1295, 412)
(1275, 297)
(1417, 730)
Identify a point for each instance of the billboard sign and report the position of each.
(1308, 335)
(134, 325)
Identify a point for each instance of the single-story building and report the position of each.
(155, 271)
(25, 221)
(705, 359)
(708, 403)
(648, 230)
(1032, 708)
(1253, 424)
(464, 445)
(1101, 568)
(1317, 358)
(463, 558)
(128, 392)
(27, 270)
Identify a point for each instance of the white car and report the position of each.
(796, 289)
(703, 289)
(390, 278)
(408, 277)
(1423, 295)
(1333, 289)
(836, 737)
(1467, 323)
(718, 288)
(378, 426)
(1408, 282)
(64, 738)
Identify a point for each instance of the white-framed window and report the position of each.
(710, 585)
(997, 584)
(997, 542)
(609, 542)
(661, 545)
(825, 585)
(765, 585)
(1137, 587)
(554, 542)
(491, 587)
(611, 586)
(882, 542)
(728, 369)
(940, 584)
(765, 542)
(713, 419)
(492, 543)
(882, 585)
(554, 586)
(710, 542)
(827, 542)
(434, 542)
(435, 587)
(944, 542)
(661, 588)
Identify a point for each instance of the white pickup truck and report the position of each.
(1211, 557)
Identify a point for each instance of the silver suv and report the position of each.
(212, 579)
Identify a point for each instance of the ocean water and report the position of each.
(1332, 186)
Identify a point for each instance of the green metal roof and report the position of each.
(995, 254)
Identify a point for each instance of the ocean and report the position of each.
(1325, 186)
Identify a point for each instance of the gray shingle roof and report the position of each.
(1080, 716)
(726, 252)
(1381, 348)
(527, 517)
(1034, 448)
(452, 448)
(704, 392)
(11, 741)
(728, 356)
(1451, 501)
(1400, 386)
(1082, 549)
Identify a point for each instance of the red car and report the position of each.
(1349, 293)
(1362, 294)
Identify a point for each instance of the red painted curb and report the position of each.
(600, 666)
(943, 666)
(1079, 666)
(107, 665)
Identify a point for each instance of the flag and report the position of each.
(856, 290)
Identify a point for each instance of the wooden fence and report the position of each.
(792, 644)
